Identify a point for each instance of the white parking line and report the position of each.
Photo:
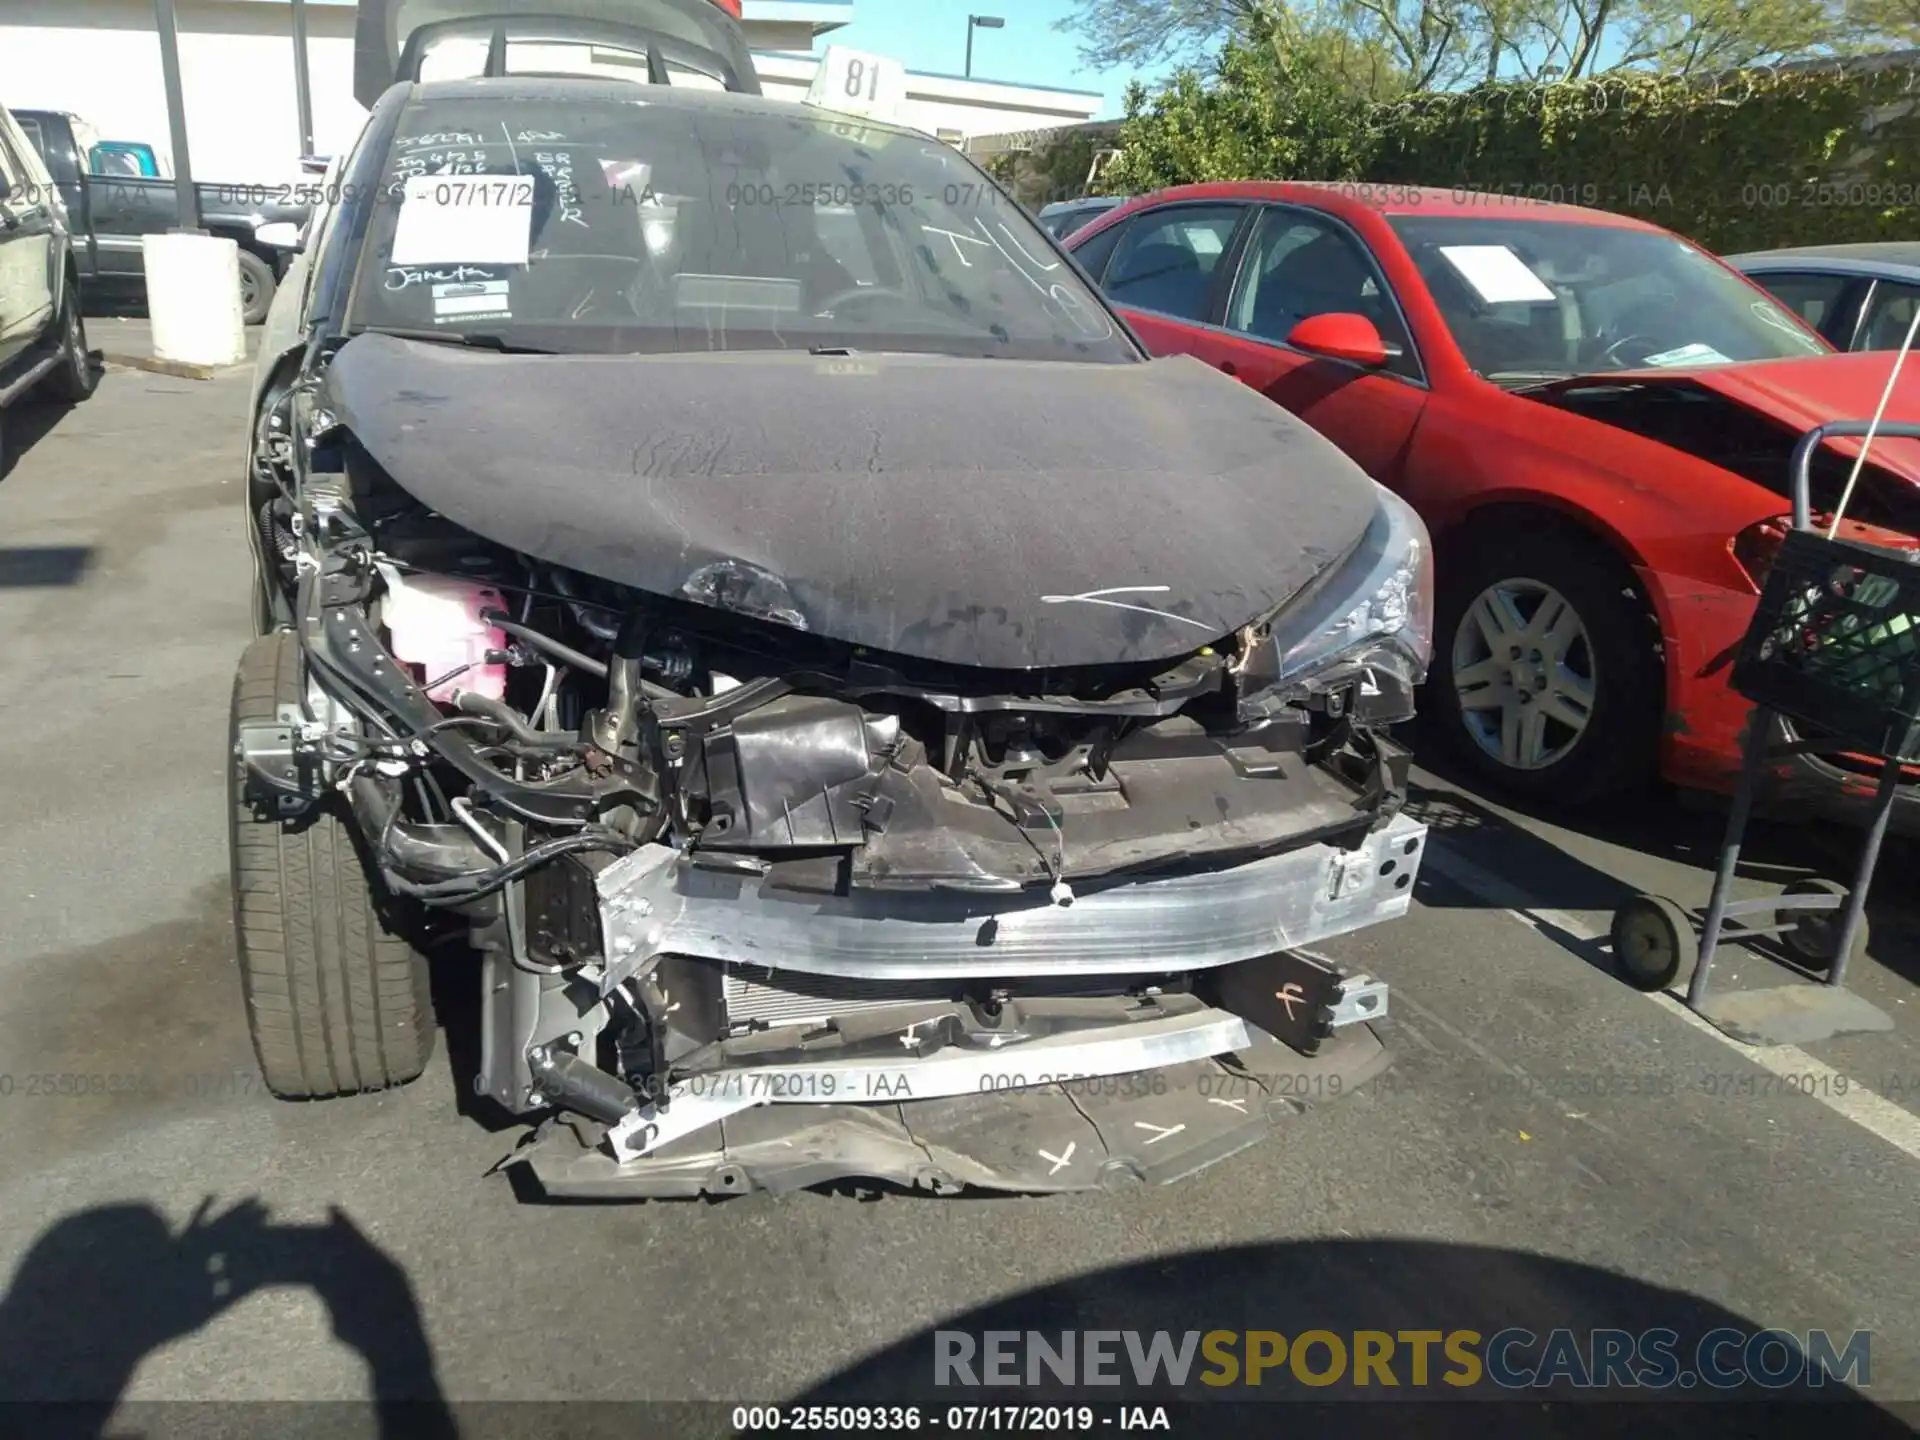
(1872, 1112)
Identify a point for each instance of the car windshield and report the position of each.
(708, 222)
(1533, 299)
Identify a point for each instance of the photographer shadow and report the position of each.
(1339, 1289)
(103, 1289)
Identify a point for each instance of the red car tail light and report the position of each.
(732, 7)
(1754, 548)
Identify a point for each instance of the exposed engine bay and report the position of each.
(717, 864)
(1694, 419)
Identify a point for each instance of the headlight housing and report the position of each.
(1372, 616)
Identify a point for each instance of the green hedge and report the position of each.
(1761, 159)
(1764, 159)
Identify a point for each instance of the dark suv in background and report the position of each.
(43, 338)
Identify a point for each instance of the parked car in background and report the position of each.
(1593, 416)
(115, 195)
(43, 334)
(1064, 217)
(1860, 297)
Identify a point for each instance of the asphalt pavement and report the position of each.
(1552, 1145)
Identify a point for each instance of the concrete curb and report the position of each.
(163, 367)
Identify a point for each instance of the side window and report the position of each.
(688, 78)
(1811, 297)
(1168, 259)
(1095, 254)
(36, 137)
(1301, 265)
(1889, 316)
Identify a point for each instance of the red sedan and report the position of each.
(1593, 416)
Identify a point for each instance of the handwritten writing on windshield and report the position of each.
(461, 152)
(438, 160)
(403, 277)
(437, 140)
(982, 241)
(559, 167)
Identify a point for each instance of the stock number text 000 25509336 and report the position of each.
(959, 1419)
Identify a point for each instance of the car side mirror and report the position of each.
(1352, 338)
(281, 235)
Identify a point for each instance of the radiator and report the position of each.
(794, 997)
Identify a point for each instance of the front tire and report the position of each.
(1547, 679)
(337, 1003)
(74, 379)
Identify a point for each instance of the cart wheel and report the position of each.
(1653, 941)
(1813, 933)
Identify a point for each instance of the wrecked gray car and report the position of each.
(731, 588)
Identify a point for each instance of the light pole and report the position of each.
(980, 22)
(302, 86)
(189, 198)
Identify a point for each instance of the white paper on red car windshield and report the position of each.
(1689, 355)
(465, 220)
(1497, 275)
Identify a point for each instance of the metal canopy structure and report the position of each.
(168, 23)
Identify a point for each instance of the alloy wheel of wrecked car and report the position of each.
(337, 1002)
(1548, 688)
(1523, 670)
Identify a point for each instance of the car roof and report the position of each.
(1085, 202)
(1390, 199)
(576, 89)
(1897, 256)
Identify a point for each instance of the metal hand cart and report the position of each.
(1834, 646)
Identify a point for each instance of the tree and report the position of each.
(1443, 44)
(1890, 22)
(1437, 43)
(1117, 34)
(1265, 109)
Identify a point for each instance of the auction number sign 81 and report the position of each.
(857, 82)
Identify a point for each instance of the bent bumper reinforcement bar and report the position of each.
(1099, 1135)
(655, 902)
(703, 1100)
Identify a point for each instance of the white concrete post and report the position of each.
(193, 299)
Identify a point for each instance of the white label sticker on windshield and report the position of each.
(480, 297)
(465, 220)
(1499, 276)
(1689, 355)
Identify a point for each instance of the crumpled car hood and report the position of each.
(995, 513)
(1800, 394)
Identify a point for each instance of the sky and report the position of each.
(932, 35)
